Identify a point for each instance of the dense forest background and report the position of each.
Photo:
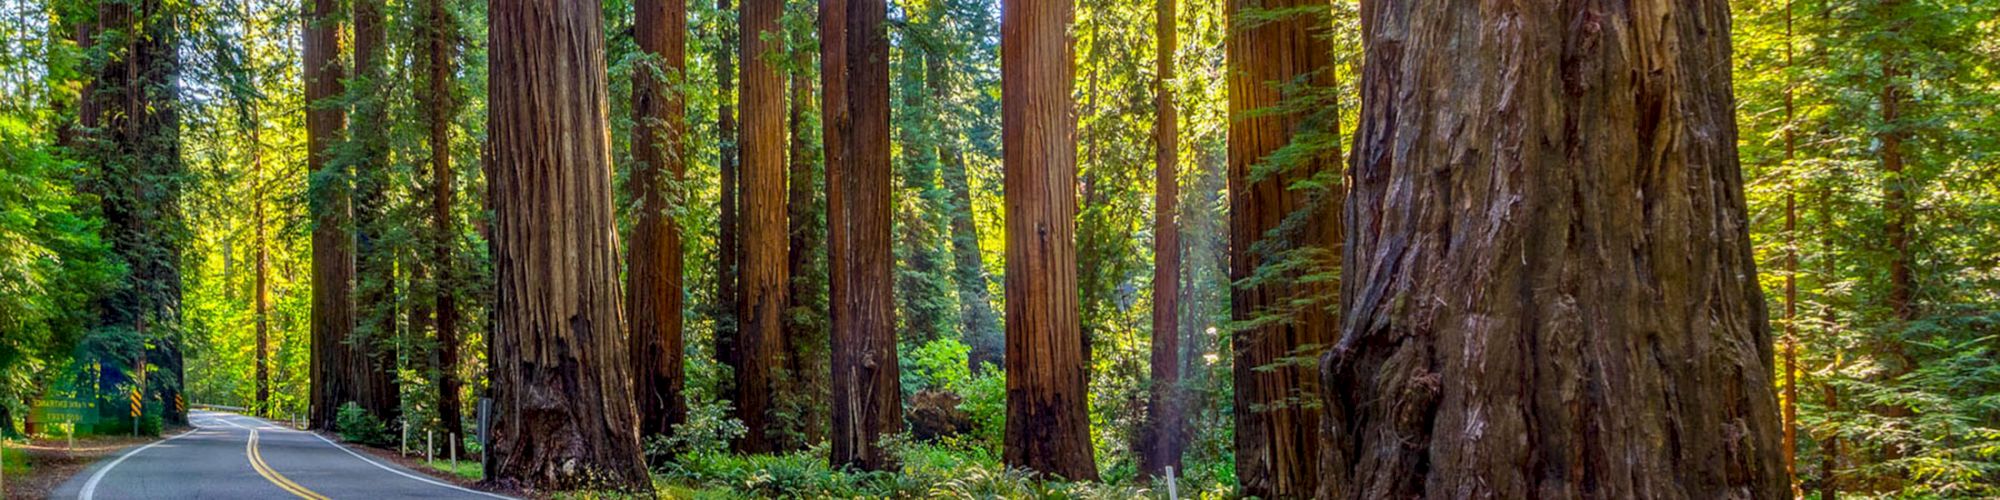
(1868, 134)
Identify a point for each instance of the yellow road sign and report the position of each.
(135, 403)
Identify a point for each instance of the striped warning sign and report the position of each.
(135, 403)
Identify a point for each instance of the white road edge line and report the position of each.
(90, 488)
(379, 465)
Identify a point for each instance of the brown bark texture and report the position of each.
(561, 372)
(329, 201)
(1048, 417)
(441, 34)
(1549, 290)
(760, 308)
(653, 290)
(1165, 428)
(1273, 64)
(867, 386)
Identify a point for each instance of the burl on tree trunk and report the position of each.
(561, 373)
(1548, 285)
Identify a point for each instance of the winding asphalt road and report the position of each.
(235, 456)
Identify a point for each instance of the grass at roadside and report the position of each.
(466, 469)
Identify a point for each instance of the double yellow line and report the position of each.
(263, 469)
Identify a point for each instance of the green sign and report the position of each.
(64, 411)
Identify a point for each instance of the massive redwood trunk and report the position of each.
(1278, 58)
(333, 382)
(440, 35)
(562, 387)
(867, 388)
(760, 308)
(1549, 289)
(658, 146)
(1048, 413)
(1164, 429)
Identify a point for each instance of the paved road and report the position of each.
(235, 456)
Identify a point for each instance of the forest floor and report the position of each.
(36, 467)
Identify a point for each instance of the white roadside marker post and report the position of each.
(453, 444)
(430, 448)
(1173, 491)
(403, 446)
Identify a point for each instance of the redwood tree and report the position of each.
(440, 34)
(1278, 58)
(328, 202)
(1549, 289)
(560, 369)
(1048, 417)
(867, 388)
(655, 297)
(762, 268)
(1164, 428)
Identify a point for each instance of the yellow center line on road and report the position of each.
(263, 469)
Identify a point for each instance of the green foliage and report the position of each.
(927, 471)
(708, 430)
(356, 425)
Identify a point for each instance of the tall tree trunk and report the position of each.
(729, 246)
(867, 386)
(333, 383)
(761, 306)
(262, 407)
(975, 301)
(561, 376)
(1550, 290)
(658, 145)
(441, 35)
(1276, 63)
(375, 263)
(1048, 412)
(1896, 215)
(1164, 427)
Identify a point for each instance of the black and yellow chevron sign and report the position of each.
(135, 403)
(180, 405)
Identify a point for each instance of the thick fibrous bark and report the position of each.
(332, 245)
(658, 146)
(1048, 422)
(561, 374)
(1164, 428)
(867, 389)
(1274, 63)
(760, 308)
(438, 108)
(1549, 289)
